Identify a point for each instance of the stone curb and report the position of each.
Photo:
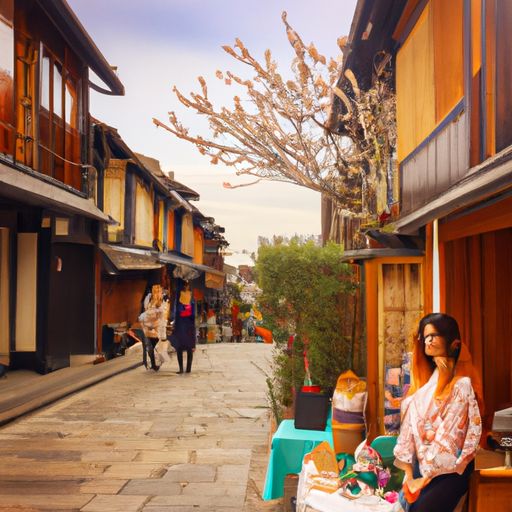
(41, 393)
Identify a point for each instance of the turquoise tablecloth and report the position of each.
(289, 446)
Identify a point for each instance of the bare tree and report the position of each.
(286, 130)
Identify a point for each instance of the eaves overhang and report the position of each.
(369, 254)
(26, 188)
(77, 37)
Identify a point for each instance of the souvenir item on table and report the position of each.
(368, 475)
(348, 403)
(325, 484)
(345, 463)
(391, 496)
(366, 457)
(324, 460)
(349, 399)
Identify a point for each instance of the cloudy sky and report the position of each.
(157, 44)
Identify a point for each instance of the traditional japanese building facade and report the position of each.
(49, 220)
(86, 224)
(452, 75)
(156, 235)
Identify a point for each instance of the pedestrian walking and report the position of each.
(184, 333)
(153, 323)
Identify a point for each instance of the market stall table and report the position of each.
(289, 445)
(318, 501)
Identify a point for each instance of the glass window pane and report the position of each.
(45, 82)
(6, 89)
(6, 49)
(71, 107)
(57, 89)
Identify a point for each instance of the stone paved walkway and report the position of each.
(145, 441)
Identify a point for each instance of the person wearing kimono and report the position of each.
(441, 423)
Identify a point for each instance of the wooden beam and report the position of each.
(372, 369)
(491, 218)
(428, 269)
(408, 19)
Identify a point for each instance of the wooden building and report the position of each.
(155, 229)
(452, 70)
(49, 221)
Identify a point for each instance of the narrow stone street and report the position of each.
(145, 441)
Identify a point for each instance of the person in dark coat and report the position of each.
(184, 333)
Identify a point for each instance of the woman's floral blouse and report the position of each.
(442, 436)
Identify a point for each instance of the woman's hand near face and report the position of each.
(444, 363)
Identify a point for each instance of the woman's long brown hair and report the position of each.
(423, 365)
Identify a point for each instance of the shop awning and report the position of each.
(213, 278)
(23, 187)
(215, 281)
(127, 258)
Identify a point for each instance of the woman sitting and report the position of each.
(441, 423)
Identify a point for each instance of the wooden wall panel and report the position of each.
(415, 86)
(503, 75)
(161, 213)
(438, 165)
(26, 293)
(198, 245)
(187, 235)
(144, 216)
(462, 147)
(443, 164)
(447, 19)
(114, 194)
(489, 78)
(497, 300)
(170, 230)
(478, 284)
(494, 217)
(121, 299)
(491, 491)
(4, 297)
(476, 35)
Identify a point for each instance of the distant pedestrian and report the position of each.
(152, 320)
(184, 333)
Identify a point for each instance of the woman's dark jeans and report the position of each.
(444, 492)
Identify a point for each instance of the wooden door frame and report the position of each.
(374, 346)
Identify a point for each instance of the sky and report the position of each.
(157, 44)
